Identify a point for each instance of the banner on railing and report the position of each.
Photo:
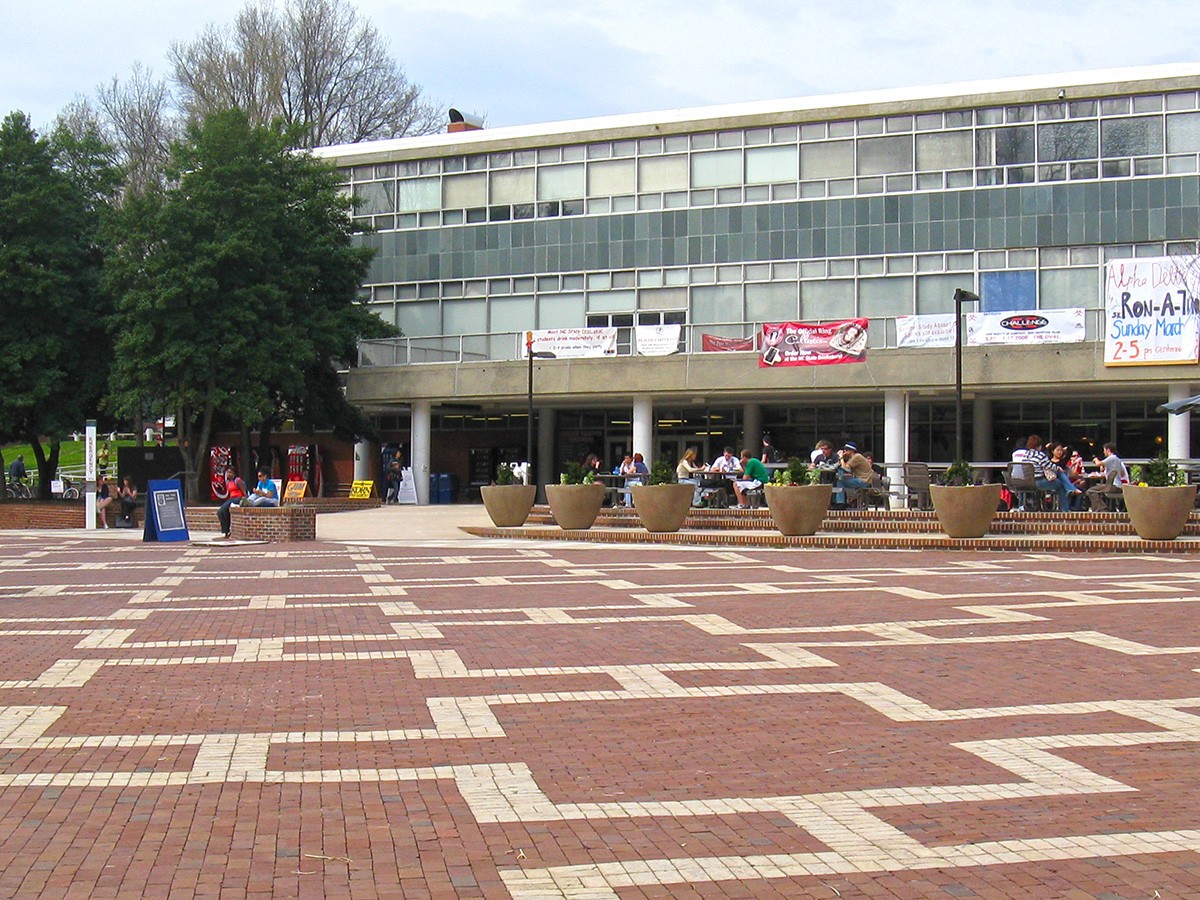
(1150, 311)
(1042, 326)
(802, 344)
(570, 343)
(656, 340)
(925, 331)
(712, 343)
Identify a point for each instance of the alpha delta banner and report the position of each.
(802, 344)
(1150, 311)
(570, 343)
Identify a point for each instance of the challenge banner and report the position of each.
(801, 344)
(1043, 326)
(570, 343)
(1150, 311)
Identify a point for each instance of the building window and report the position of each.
(1004, 291)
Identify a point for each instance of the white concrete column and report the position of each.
(362, 459)
(895, 434)
(643, 428)
(544, 467)
(981, 430)
(1179, 428)
(421, 450)
(752, 429)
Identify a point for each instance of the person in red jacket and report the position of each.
(235, 490)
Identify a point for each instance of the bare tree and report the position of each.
(315, 63)
(139, 122)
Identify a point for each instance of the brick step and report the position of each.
(892, 521)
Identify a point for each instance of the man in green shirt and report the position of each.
(754, 474)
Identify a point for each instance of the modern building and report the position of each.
(874, 206)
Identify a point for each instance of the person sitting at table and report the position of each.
(592, 464)
(754, 476)
(686, 471)
(625, 463)
(822, 455)
(853, 474)
(1115, 475)
(1045, 476)
(724, 465)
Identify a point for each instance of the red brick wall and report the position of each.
(275, 524)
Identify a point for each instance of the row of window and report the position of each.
(782, 134)
(1010, 154)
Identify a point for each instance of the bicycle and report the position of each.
(70, 489)
(18, 490)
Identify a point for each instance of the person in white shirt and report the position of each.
(1115, 475)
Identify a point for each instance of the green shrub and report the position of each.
(797, 472)
(504, 474)
(958, 475)
(575, 473)
(661, 473)
(1159, 472)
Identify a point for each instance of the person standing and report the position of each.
(235, 492)
(102, 458)
(1115, 475)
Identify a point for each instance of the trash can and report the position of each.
(434, 495)
(447, 487)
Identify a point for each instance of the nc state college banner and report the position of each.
(801, 344)
(570, 343)
(656, 340)
(1150, 311)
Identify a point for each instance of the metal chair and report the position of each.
(916, 485)
(1019, 478)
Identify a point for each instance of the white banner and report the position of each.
(1042, 326)
(656, 340)
(1150, 311)
(925, 331)
(570, 343)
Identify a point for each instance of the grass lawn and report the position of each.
(70, 454)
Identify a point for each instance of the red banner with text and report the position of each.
(802, 344)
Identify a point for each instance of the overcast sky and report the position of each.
(528, 61)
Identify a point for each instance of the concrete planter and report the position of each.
(508, 505)
(662, 507)
(575, 506)
(965, 512)
(798, 509)
(1159, 513)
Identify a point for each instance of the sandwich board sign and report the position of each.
(165, 520)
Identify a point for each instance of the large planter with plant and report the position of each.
(964, 510)
(576, 500)
(661, 503)
(508, 504)
(1159, 502)
(797, 500)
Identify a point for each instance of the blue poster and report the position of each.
(165, 519)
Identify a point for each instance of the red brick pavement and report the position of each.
(490, 721)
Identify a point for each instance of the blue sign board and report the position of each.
(165, 519)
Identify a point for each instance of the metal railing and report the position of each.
(506, 345)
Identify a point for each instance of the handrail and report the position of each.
(503, 346)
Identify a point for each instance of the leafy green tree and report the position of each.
(236, 284)
(55, 196)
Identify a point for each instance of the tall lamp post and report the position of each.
(960, 297)
(529, 352)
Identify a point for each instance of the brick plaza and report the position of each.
(512, 719)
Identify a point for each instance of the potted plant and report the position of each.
(508, 503)
(964, 509)
(797, 499)
(1159, 500)
(662, 503)
(575, 501)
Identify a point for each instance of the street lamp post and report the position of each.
(529, 448)
(961, 296)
